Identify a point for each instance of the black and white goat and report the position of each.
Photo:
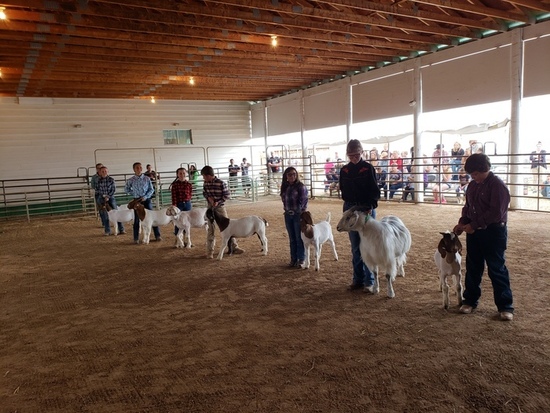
(238, 228)
(149, 219)
(449, 263)
(185, 220)
(384, 243)
(314, 236)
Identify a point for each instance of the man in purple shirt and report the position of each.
(483, 219)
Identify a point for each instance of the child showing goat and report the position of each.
(315, 236)
(384, 243)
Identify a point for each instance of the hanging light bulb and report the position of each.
(273, 41)
(191, 80)
(153, 99)
(2, 14)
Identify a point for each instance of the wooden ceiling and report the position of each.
(153, 48)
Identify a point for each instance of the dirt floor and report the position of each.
(98, 324)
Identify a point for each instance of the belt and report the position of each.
(496, 225)
(292, 212)
(361, 204)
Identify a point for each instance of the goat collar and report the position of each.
(367, 217)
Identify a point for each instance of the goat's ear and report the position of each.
(108, 206)
(458, 245)
(441, 248)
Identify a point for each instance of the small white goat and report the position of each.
(185, 220)
(238, 228)
(149, 219)
(315, 236)
(384, 243)
(448, 260)
(122, 214)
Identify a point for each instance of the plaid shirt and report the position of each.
(181, 191)
(106, 186)
(217, 189)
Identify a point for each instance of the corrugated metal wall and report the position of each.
(39, 136)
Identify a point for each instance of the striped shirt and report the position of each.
(217, 190)
(139, 187)
(181, 191)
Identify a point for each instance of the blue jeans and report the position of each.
(394, 188)
(297, 250)
(455, 166)
(148, 205)
(488, 246)
(104, 215)
(361, 273)
(183, 206)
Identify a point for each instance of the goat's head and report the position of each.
(214, 216)
(104, 206)
(172, 211)
(138, 207)
(353, 219)
(210, 215)
(306, 224)
(133, 203)
(449, 245)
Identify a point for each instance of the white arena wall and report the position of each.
(45, 137)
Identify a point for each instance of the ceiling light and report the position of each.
(153, 99)
(2, 14)
(273, 41)
(191, 80)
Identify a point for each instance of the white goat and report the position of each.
(448, 260)
(149, 219)
(384, 243)
(238, 228)
(315, 236)
(122, 214)
(185, 220)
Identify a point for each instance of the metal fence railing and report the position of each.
(35, 197)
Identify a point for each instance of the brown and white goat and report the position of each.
(315, 235)
(238, 228)
(449, 263)
(149, 219)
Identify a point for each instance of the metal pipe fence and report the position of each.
(69, 196)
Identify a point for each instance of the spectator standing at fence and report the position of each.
(360, 190)
(140, 188)
(233, 169)
(484, 218)
(182, 192)
(457, 153)
(153, 176)
(216, 193)
(330, 173)
(105, 198)
(295, 200)
(274, 165)
(246, 180)
(538, 165)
